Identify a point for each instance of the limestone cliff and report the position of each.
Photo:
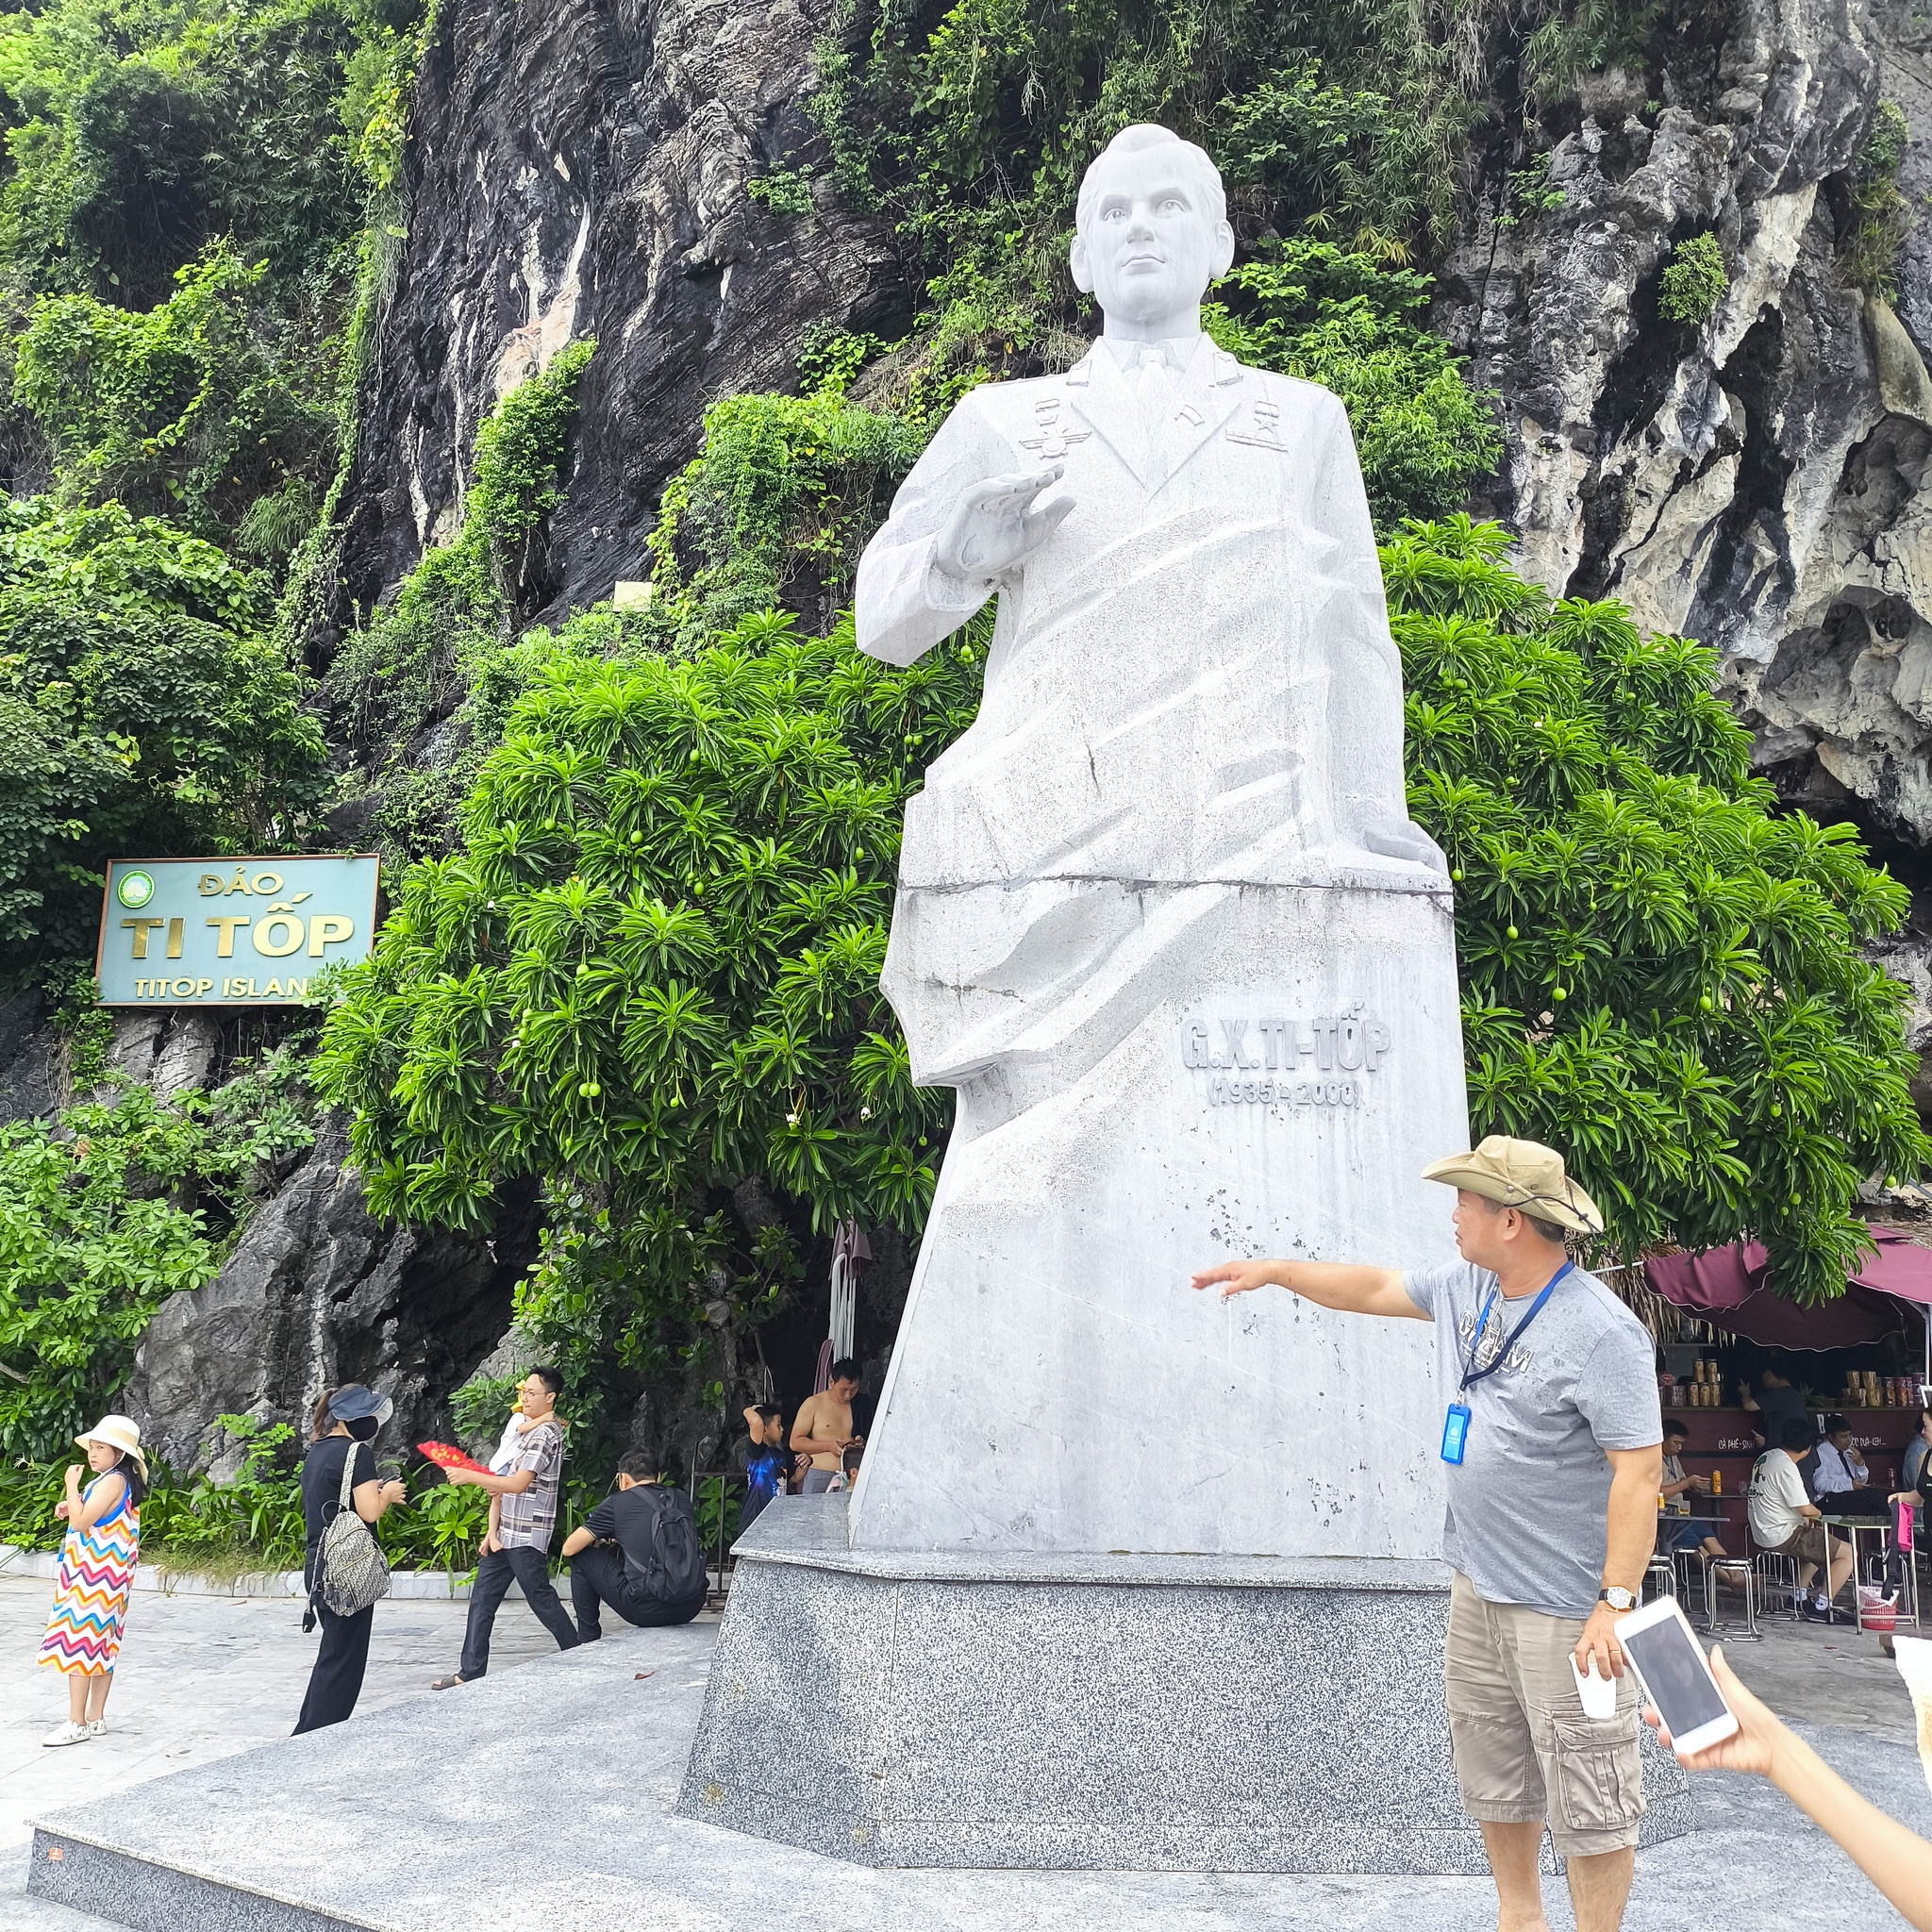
(1752, 479)
(587, 169)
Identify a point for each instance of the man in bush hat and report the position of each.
(1552, 1446)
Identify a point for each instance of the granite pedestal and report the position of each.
(1067, 1712)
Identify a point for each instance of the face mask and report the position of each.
(363, 1428)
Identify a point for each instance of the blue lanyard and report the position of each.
(1472, 1374)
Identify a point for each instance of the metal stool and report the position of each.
(1660, 1577)
(1778, 1577)
(1739, 1571)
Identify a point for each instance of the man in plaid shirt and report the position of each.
(522, 1512)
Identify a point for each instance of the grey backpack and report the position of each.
(351, 1571)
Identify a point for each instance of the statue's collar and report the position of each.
(1200, 358)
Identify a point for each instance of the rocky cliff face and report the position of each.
(1754, 479)
(316, 1295)
(584, 169)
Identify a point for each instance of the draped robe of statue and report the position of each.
(1142, 926)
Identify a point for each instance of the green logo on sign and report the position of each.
(135, 889)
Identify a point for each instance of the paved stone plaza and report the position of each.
(208, 1678)
(203, 1679)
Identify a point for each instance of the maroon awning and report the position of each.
(1729, 1286)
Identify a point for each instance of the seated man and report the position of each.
(637, 1551)
(1674, 1530)
(1786, 1521)
(1842, 1483)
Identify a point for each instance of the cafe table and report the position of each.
(1878, 1528)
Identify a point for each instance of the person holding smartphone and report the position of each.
(1897, 1861)
(1552, 1446)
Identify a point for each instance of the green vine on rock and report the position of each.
(447, 635)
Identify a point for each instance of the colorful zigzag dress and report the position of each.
(90, 1595)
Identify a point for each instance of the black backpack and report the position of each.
(676, 1572)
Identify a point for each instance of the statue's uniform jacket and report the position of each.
(1191, 684)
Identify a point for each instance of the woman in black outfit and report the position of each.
(345, 1425)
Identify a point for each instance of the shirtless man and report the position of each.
(823, 1428)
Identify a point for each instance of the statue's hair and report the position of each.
(1201, 174)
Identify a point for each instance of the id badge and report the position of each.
(1454, 1431)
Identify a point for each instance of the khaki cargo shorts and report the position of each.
(1525, 1752)
(1807, 1545)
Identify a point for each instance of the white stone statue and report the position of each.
(1182, 804)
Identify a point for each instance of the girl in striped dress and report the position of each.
(96, 1572)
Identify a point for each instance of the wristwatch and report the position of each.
(1617, 1597)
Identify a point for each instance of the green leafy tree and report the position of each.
(137, 713)
(651, 975)
(197, 409)
(1348, 321)
(1660, 972)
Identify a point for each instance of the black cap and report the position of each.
(354, 1403)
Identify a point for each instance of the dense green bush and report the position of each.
(776, 507)
(1881, 216)
(1660, 972)
(104, 1214)
(1694, 281)
(137, 131)
(137, 714)
(198, 409)
(1348, 321)
(651, 971)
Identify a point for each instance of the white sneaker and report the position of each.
(99, 1728)
(68, 1734)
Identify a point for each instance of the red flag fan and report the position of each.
(445, 1456)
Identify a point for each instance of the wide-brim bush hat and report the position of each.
(354, 1403)
(118, 1432)
(1524, 1174)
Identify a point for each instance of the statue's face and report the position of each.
(1149, 248)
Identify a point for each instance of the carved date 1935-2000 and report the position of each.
(1266, 1061)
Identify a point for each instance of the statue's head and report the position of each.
(1151, 228)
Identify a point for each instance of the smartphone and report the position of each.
(1670, 1665)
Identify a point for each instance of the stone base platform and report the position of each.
(544, 1797)
(1086, 1712)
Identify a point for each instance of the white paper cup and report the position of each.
(1599, 1694)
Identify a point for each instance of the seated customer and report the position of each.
(1675, 1531)
(1785, 1519)
(637, 1551)
(1842, 1483)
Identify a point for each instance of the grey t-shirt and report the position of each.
(1528, 1502)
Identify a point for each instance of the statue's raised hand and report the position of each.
(996, 524)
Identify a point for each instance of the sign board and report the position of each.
(230, 932)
